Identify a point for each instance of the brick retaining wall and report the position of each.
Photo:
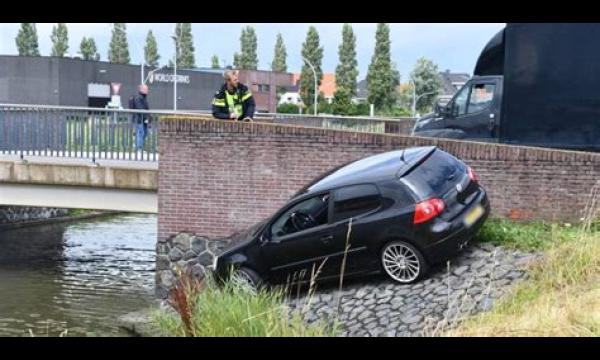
(216, 177)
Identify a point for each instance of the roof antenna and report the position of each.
(402, 155)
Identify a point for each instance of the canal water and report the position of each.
(77, 277)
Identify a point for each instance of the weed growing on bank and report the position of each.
(208, 309)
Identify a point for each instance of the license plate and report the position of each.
(473, 215)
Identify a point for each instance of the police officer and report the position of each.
(234, 100)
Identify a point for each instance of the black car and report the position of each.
(408, 209)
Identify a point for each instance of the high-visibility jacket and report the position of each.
(241, 101)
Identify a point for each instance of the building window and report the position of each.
(263, 88)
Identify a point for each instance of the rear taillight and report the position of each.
(472, 174)
(427, 210)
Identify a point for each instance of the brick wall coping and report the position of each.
(468, 149)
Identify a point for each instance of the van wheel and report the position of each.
(403, 262)
(246, 277)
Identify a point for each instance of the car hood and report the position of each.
(243, 237)
(429, 121)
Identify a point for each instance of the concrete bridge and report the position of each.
(72, 157)
(78, 183)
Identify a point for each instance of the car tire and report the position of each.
(403, 262)
(248, 276)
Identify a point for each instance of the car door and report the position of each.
(474, 110)
(359, 203)
(291, 251)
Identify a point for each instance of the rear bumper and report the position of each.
(446, 239)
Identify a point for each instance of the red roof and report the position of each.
(327, 86)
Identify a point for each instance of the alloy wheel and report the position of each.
(242, 278)
(401, 262)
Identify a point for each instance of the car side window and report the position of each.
(481, 97)
(351, 201)
(304, 215)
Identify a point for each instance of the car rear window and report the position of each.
(434, 176)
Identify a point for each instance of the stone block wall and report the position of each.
(18, 214)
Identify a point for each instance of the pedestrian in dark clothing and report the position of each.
(141, 120)
(234, 100)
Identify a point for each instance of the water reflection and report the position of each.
(78, 276)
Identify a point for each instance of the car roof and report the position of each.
(367, 170)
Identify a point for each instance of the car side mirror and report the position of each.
(263, 239)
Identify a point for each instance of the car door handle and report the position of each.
(327, 239)
(492, 123)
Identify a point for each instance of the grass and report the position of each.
(209, 310)
(78, 212)
(561, 296)
(537, 235)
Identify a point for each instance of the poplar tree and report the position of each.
(185, 46)
(381, 76)
(215, 62)
(151, 56)
(118, 51)
(313, 52)
(27, 40)
(60, 40)
(247, 58)
(88, 50)
(346, 72)
(280, 56)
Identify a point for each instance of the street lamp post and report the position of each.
(416, 98)
(315, 76)
(177, 50)
(414, 103)
(175, 73)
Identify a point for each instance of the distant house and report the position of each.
(291, 95)
(327, 86)
(451, 83)
(362, 93)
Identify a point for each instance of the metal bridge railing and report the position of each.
(76, 132)
(96, 133)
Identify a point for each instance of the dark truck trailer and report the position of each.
(534, 84)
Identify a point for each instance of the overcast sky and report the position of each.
(451, 46)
